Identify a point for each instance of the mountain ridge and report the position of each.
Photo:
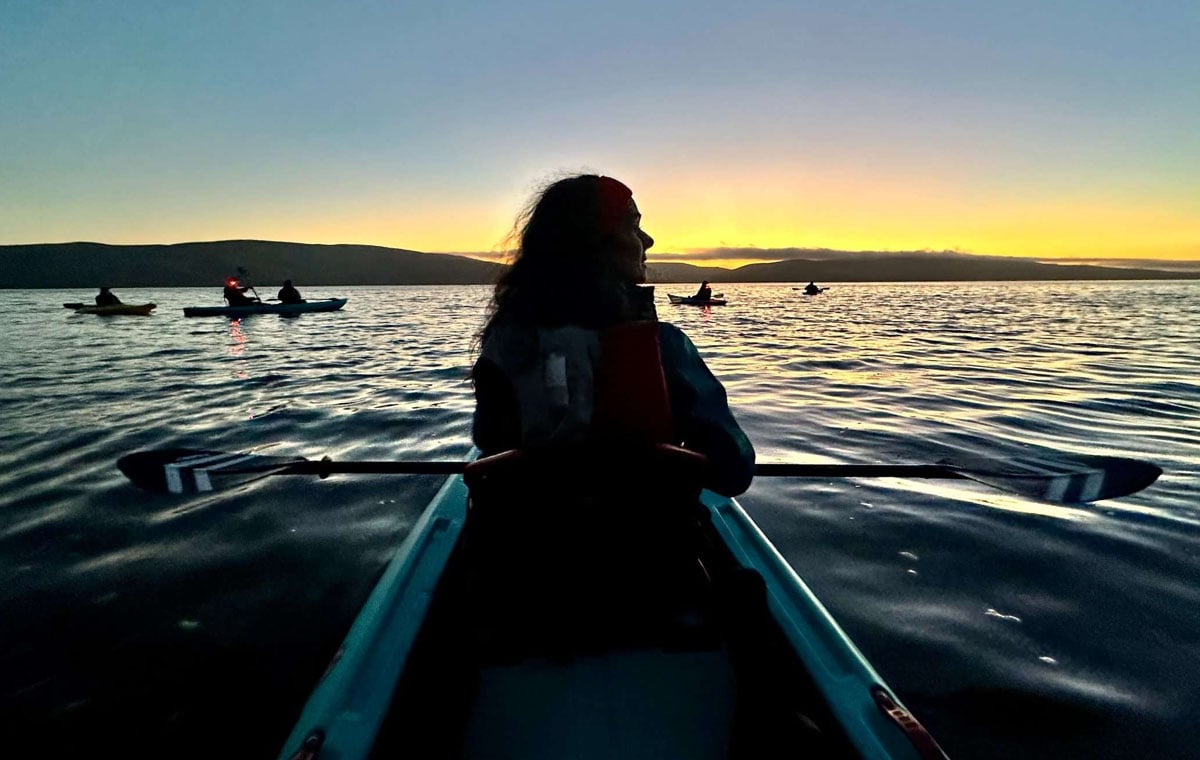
(199, 264)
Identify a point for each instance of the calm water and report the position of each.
(195, 626)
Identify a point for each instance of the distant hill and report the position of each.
(89, 265)
(914, 267)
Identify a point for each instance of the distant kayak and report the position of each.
(693, 301)
(140, 310)
(809, 293)
(328, 304)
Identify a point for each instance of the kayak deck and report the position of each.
(552, 626)
(616, 704)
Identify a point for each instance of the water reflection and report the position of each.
(237, 349)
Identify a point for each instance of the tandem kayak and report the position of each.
(119, 309)
(329, 304)
(532, 613)
(693, 301)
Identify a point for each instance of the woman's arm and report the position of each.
(702, 415)
(497, 423)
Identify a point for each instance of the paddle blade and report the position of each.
(1072, 480)
(191, 470)
(73, 306)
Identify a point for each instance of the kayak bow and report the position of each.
(529, 627)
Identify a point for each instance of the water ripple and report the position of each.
(1013, 628)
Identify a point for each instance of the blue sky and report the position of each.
(1017, 128)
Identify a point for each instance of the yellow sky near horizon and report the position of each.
(694, 224)
(687, 220)
(837, 207)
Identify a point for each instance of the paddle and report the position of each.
(74, 305)
(1071, 479)
(246, 278)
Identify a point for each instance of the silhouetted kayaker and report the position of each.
(573, 353)
(288, 294)
(106, 298)
(235, 293)
(811, 289)
(704, 293)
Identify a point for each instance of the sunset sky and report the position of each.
(1048, 129)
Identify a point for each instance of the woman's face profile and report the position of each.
(631, 244)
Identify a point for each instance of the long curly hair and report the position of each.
(563, 270)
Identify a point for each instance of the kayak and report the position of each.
(328, 304)
(516, 621)
(807, 293)
(693, 301)
(117, 309)
(533, 612)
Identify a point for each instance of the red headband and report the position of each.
(614, 203)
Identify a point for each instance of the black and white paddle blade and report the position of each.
(191, 470)
(1074, 479)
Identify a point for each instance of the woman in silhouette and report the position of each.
(289, 294)
(107, 298)
(235, 293)
(573, 353)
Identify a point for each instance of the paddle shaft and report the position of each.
(761, 470)
(856, 471)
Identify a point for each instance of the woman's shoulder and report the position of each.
(670, 332)
(675, 342)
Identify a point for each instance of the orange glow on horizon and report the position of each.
(840, 210)
(688, 212)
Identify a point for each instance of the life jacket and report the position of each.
(631, 397)
(576, 385)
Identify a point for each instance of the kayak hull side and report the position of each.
(330, 304)
(121, 309)
(839, 669)
(352, 698)
(693, 301)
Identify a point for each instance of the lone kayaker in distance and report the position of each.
(704, 293)
(107, 298)
(811, 289)
(572, 351)
(235, 293)
(288, 294)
